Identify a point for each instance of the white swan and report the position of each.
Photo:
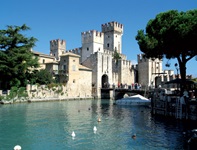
(17, 147)
(73, 134)
(95, 129)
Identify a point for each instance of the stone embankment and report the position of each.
(42, 93)
(24, 100)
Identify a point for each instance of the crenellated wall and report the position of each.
(57, 48)
(112, 26)
(92, 36)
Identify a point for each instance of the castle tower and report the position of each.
(92, 41)
(57, 48)
(148, 70)
(113, 32)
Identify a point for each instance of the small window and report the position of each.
(74, 68)
(64, 67)
(108, 36)
(73, 60)
(73, 80)
(43, 61)
(99, 49)
(107, 44)
(53, 54)
(87, 48)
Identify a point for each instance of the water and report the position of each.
(49, 125)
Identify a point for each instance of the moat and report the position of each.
(48, 125)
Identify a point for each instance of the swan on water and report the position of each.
(17, 147)
(73, 134)
(94, 129)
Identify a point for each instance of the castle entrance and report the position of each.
(105, 81)
(157, 81)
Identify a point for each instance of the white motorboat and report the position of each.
(133, 100)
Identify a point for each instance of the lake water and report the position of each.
(49, 125)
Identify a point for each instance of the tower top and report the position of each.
(92, 33)
(92, 36)
(112, 26)
(57, 41)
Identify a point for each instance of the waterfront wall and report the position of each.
(57, 92)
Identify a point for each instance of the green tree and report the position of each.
(16, 59)
(171, 35)
(42, 77)
(116, 56)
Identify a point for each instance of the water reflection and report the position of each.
(49, 125)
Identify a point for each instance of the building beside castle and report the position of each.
(94, 65)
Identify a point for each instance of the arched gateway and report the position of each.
(105, 81)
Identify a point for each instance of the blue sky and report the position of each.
(64, 19)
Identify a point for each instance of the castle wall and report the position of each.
(127, 72)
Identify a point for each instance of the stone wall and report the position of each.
(57, 92)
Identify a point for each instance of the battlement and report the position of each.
(112, 26)
(92, 36)
(75, 51)
(57, 42)
(126, 63)
(92, 33)
(106, 51)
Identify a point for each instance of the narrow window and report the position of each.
(64, 67)
(74, 68)
(107, 44)
(43, 61)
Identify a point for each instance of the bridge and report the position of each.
(117, 93)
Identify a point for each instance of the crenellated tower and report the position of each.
(113, 32)
(57, 48)
(148, 70)
(92, 41)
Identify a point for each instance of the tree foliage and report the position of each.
(42, 77)
(16, 59)
(170, 35)
(116, 56)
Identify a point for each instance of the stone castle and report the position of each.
(94, 65)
